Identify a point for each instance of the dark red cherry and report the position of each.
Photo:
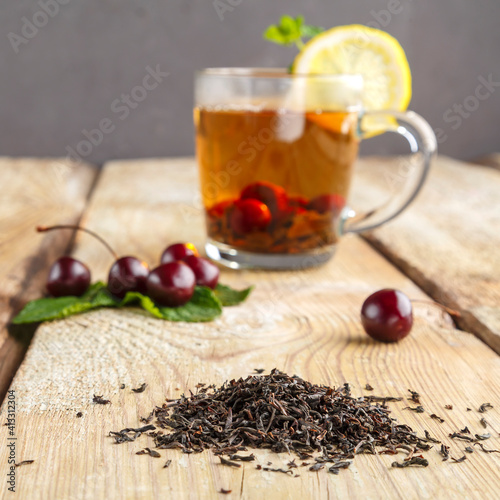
(249, 215)
(128, 274)
(273, 196)
(387, 315)
(178, 251)
(327, 203)
(219, 209)
(207, 274)
(171, 284)
(68, 276)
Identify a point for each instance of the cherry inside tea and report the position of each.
(275, 181)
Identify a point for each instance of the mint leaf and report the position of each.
(50, 308)
(291, 31)
(231, 297)
(290, 26)
(205, 304)
(286, 32)
(273, 34)
(309, 31)
(40, 310)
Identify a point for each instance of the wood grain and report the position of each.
(34, 192)
(304, 322)
(448, 241)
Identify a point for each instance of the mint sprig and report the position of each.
(205, 304)
(291, 30)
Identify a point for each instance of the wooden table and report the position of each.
(445, 246)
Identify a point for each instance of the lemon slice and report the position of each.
(357, 49)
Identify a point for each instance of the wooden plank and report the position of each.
(448, 241)
(34, 192)
(303, 322)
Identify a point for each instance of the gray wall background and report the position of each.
(64, 77)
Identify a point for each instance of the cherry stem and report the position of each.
(451, 312)
(44, 229)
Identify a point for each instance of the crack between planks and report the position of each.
(24, 334)
(242, 479)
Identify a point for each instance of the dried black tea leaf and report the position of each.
(430, 438)
(284, 414)
(463, 437)
(445, 451)
(419, 461)
(414, 396)
(24, 462)
(243, 458)
(482, 437)
(486, 450)
(148, 451)
(229, 463)
(268, 469)
(100, 400)
(437, 417)
(416, 409)
(317, 467)
(485, 407)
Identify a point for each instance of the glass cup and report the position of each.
(276, 154)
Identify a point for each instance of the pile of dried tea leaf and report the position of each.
(285, 414)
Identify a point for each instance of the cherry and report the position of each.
(178, 251)
(171, 284)
(273, 196)
(68, 276)
(206, 273)
(327, 203)
(219, 209)
(387, 315)
(249, 215)
(127, 274)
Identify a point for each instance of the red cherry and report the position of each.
(68, 276)
(249, 215)
(273, 196)
(171, 284)
(219, 209)
(327, 203)
(207, 274)
(127, 274)
(178, 251)
(387, 315)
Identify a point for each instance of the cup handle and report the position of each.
(423, 145)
